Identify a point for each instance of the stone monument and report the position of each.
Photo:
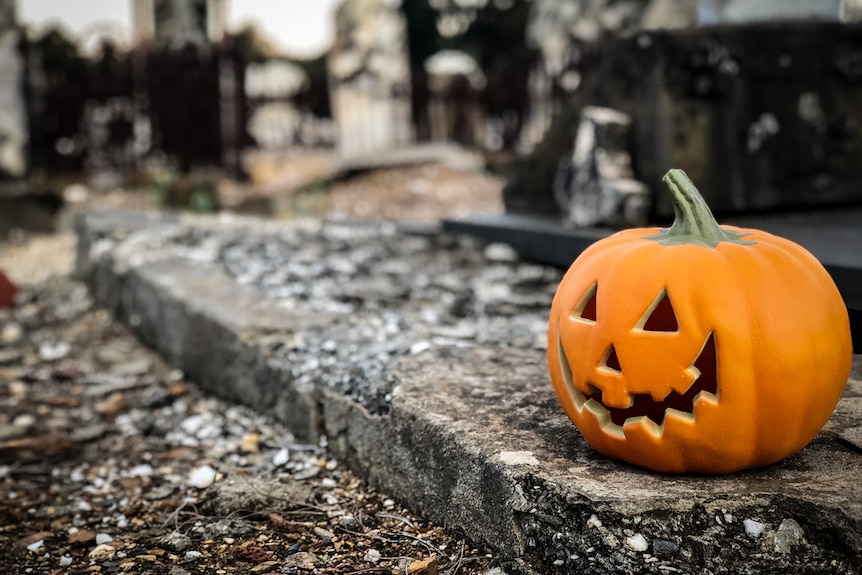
(271, 87)
(455, 82)
(597, 185)
(369, 71)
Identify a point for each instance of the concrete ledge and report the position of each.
(464, 429)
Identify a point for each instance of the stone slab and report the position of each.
(471, 435)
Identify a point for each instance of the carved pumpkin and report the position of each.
(700, 347)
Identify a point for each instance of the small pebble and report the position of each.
(637, 542)
(349, 522)
(112, 405)
(372, 556)
(192, 555)
(281, 457)
(788, 535)
(753, 528)
(103, 538)
(54, 351)
(309, 473)
(267, 567)
(11, 333)
(142, 470)
(202, 477)
(301, 560)
(324, 534)
(102, 552)
(499, 252)
(250, 443)
(24, 420)
(328, 482)
(36, 545)
(176, 541)
(17, 389)
(664, 547)
(430, 565)
(419, 347)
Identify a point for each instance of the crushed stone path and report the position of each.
(419, 357)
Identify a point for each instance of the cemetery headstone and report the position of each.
(369, 73)
(597, 186)
(275, 121)
(455, 82)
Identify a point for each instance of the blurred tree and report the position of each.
(58, 56)
(252, 46)
(57, 86)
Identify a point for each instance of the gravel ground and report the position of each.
(112, 462)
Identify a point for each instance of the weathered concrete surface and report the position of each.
(473, 436)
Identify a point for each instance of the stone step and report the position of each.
(418, 355)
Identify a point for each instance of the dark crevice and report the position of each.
(612, 361)
(588, 311)
(662, 317)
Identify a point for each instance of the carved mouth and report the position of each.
(642, 407)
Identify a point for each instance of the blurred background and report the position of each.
(179, 97)
(570, 109)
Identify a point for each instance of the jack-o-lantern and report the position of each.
(700, 347)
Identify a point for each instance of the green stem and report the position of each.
(693, 222)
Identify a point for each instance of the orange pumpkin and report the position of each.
(698, 348)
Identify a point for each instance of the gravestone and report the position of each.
(597, 186)
(455, 83)
(369, 72)
(275, 121)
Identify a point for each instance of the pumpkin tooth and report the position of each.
(677, 414)
(603, 416)
(650, 425)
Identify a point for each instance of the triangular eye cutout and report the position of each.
(660, 315)
(612, 362)
(586, 308)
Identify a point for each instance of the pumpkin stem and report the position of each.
(693, 222)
